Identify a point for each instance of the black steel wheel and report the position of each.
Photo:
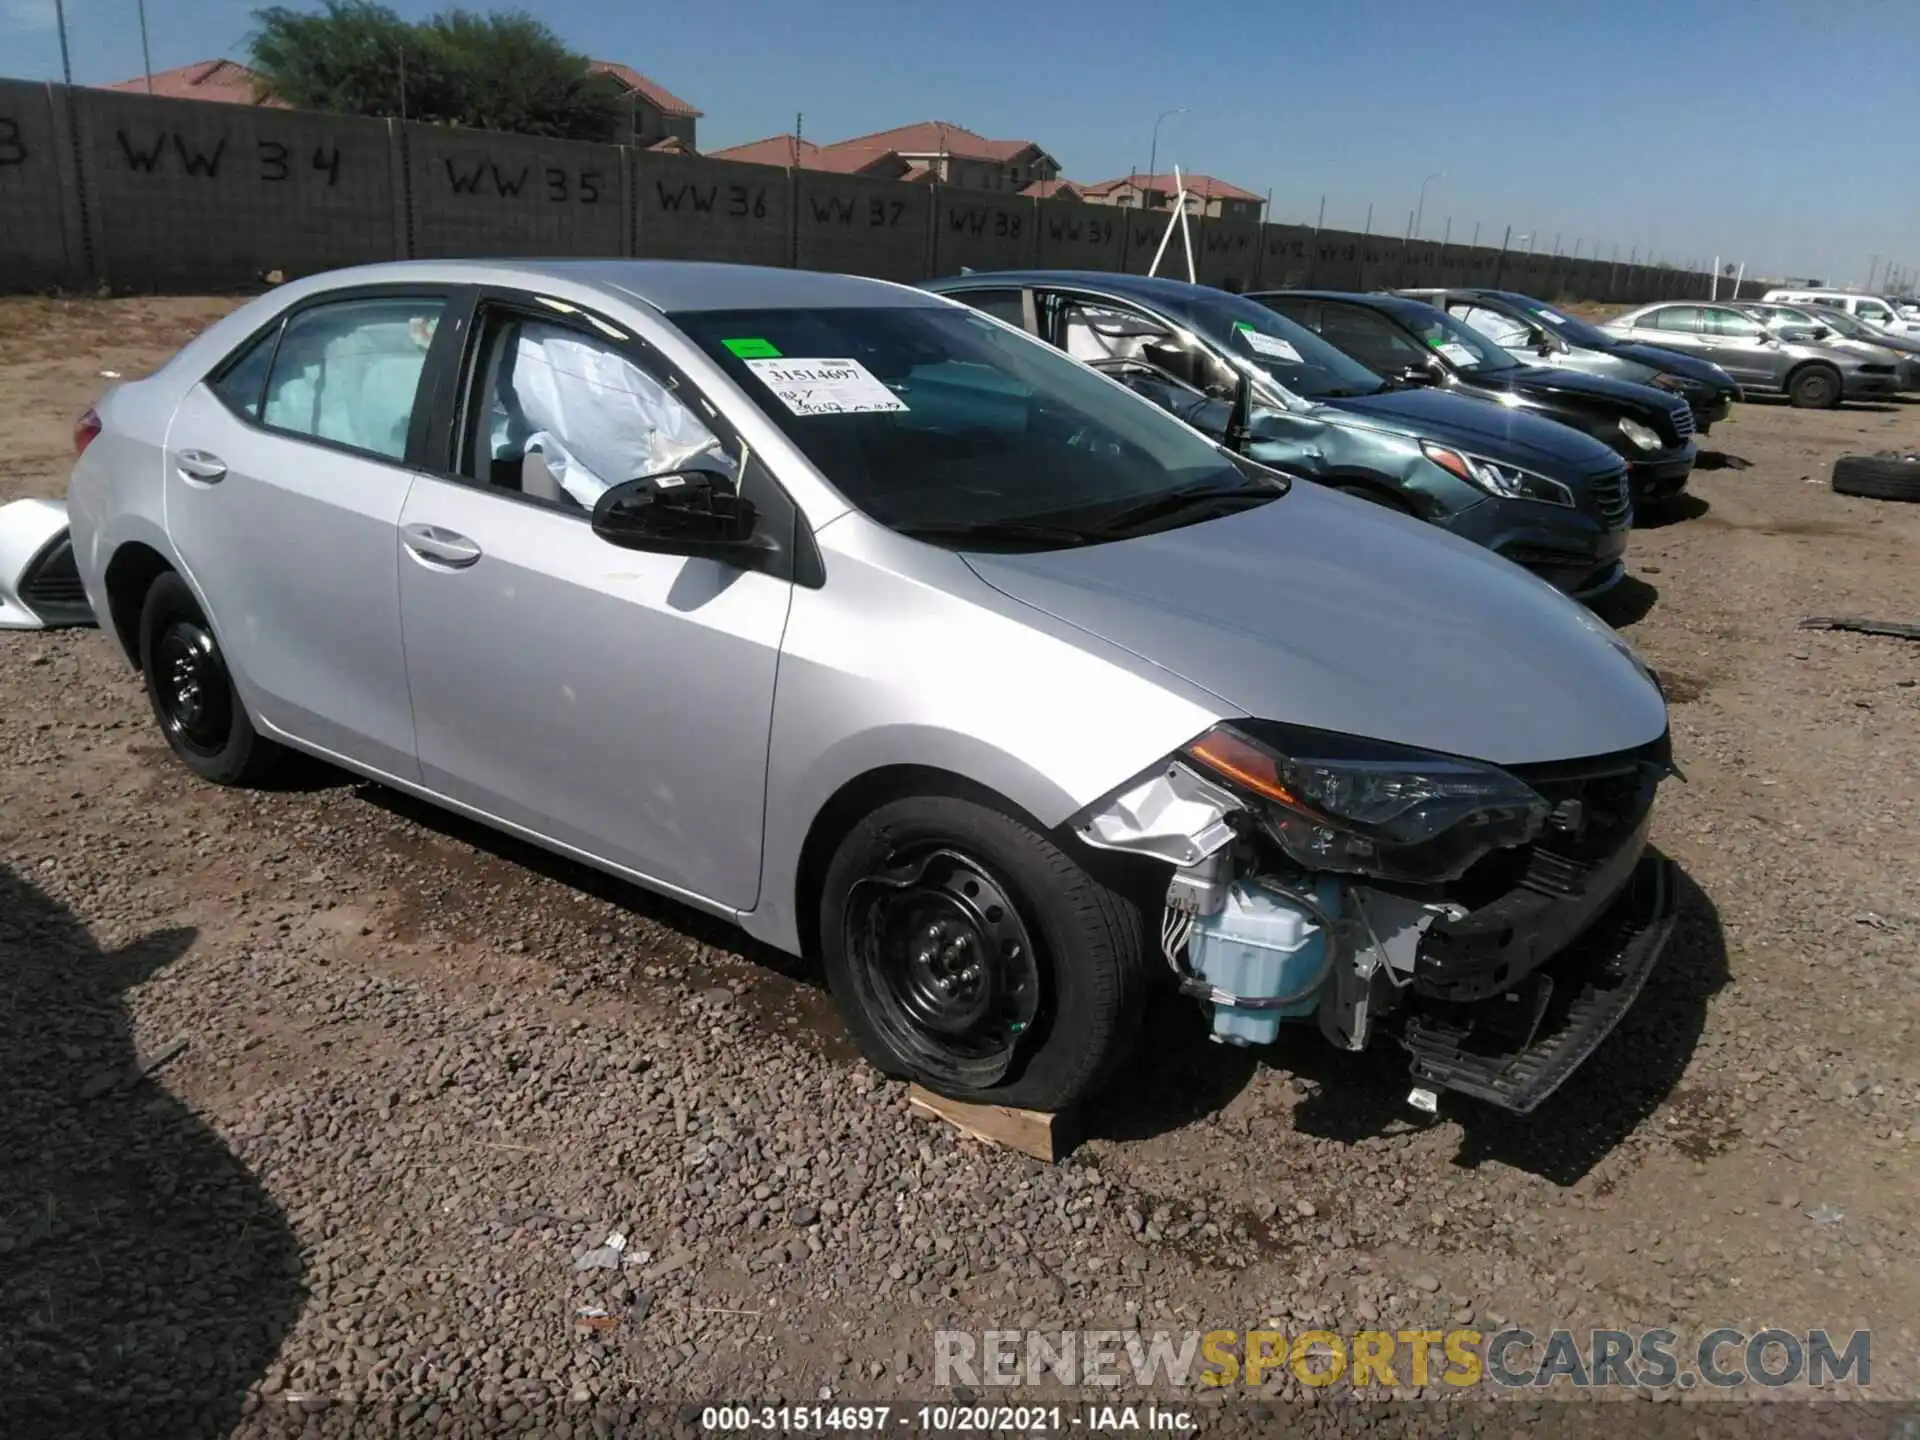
(943, 963)
(970, 953)
(192, 691)
(195, 693)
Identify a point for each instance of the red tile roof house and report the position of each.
(927, 150)
(1205, 195)
(656, 115)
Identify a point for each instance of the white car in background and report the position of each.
(1875, 310)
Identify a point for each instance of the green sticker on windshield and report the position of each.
(752, 347)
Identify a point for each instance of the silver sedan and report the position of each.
(1810, 374)
(900, 639)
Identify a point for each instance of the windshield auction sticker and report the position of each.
(1459, 354)
(1271, 346)
(825, 387)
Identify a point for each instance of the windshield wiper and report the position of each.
(1348, 393)
(1187, 497)
(990, 531)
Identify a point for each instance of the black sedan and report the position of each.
(1416, 344)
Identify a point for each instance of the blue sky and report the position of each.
(1778, 132)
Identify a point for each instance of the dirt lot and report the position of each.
(426, 1069)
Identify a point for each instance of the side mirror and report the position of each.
(682, 512)
(1545, 345)
(1240, 418)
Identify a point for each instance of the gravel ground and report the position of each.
(427, 1071)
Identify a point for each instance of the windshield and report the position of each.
(1574, 332)
(1836, 320)
(1290, 353)
(1465, 346)
(940, 423)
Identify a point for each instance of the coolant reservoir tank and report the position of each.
(1263, 945)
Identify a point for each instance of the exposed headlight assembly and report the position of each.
(1641, 435)
(1496, 477)
(1366, 807)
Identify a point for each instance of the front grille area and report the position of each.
(1609, 499)
(1681, 414)
(1528, 903)
(51, 586)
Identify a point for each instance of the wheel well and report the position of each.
(130, 574)
(859, 797)
(1137, 876)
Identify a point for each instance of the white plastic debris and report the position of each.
(606, 1257)
(1826, 1215)
(1421, 1098)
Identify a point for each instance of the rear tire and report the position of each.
(192, 692)
(1814, 387)
(1875, 477)
(971, 954)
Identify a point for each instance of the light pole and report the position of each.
(66, 63)
(146, 55)
(1153, 150)
(1420, 210)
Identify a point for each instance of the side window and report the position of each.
(561, 416)
(1731, 324)
(243, 381)
(1096, 331)
(1500, 328)
(1873, 310)
(1372, 339)
(1001, 304)
(349, 371)
(1674, 319)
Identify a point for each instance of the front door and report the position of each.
(1741, 346)
(613, 701)
(285, 477)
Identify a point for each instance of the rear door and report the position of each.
(613, 702)
(286, 473)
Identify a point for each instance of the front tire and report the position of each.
(971, 954)
(1817, 387)
(192, 691)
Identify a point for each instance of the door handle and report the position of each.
(441, 547)
(199, 465)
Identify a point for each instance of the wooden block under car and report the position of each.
(1040, 1133)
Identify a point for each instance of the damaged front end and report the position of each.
(39, 583)
(1496, 921)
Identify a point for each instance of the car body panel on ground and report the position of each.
(1323, 415)
(1395, 336)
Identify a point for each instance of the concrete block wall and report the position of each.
(139, 193)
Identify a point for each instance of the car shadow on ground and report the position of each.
(146, 1277)
(1183, 1077)
(1716, 460)
(1630, 601)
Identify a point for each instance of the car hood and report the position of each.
(1674, 363)
(1484, 427)
(1625, 394)
(1322, 610)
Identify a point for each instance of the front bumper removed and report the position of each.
(1515, 1048)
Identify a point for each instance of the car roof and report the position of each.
(1401, 306)
(1145, 287)
(668, 285)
